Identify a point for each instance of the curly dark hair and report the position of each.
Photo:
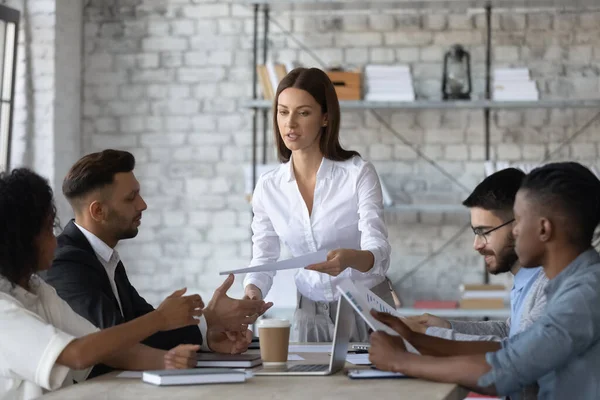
(26, 206)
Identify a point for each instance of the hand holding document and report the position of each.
(292, 263)
(363, 300)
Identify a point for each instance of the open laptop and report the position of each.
(341, 338)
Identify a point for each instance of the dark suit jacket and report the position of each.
(81, 280)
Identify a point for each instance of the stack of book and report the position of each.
(514, 84)
(388, 83)
(481, 296)
(269, 76)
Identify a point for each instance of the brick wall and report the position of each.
(165, 80)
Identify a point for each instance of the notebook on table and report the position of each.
(217, 360)
(193, 376)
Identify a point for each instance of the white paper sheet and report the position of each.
(295, 357)
(309, 348)
(357, 296)
(358, 359)
(292, 263)
(130, 375)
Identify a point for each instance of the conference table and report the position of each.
(337, 386)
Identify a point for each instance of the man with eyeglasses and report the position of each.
(492, 218)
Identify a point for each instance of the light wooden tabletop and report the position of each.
(333, 387)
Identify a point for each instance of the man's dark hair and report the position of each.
(572, 190)
(26, 207)
(95, 171)
(497, 192)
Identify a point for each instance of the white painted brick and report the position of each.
(179, 91)
(536, 117)
(183, 28)
(105, 92)
(178, 123)
(164, 44)
(382, 55)
(355, 23)
(380, 152)
(159, 28)
(207, 154)
(404, 152)
(171, 59)
(150, 219)
(113, 141)
(432, 53)
(123, 108)
(476, 152)
(466, 38)
(204, 123)
(417, 38)
(580, 54)
(195, 58)
(224, 218)
(509, 152)
(327, 57)
(506, 53)
(191, 75)
(174, 218)
(564, 118)
(533, 152)
(183, 154)
(539, 21)
(227, 234)
(200, 250)
(154, 140)
(157, 91)
(513, 22)
(508, 119)
(100, 62)
(132, 124)
(220, 57)
(382, 22)
(444, 135)
(206, 11)
(407, 54)
(176, 107)
(113, 78)
(132, 92)
(358, 56)
(230, 26)
(458, 152)
(153, 76)
(359, 39)
(565, 22)
(105, 125)
(409, 22)
(435, 22)
(460, 21)
(202, 138)
(430, 119)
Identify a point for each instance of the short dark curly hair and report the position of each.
(26, 206)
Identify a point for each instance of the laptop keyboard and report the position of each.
(308, 368)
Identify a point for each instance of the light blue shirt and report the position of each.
(561, 350)
(523, 281)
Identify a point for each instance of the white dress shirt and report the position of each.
(347, 213)
(35, 327)
(108, 257)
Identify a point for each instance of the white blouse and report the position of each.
(34, 329)
(347, 213)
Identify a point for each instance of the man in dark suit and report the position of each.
(88, 274)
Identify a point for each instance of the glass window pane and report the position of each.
(4, 117)
(9, 53)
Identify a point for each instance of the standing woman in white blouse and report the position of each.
(321, 197)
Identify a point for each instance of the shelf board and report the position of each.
(344, 5)
(447, 105)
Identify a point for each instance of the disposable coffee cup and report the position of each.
(274, 338)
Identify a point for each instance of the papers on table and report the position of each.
(358, 359)
(295, 357)
(292, 263)
(363, 300)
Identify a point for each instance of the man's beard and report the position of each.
(123, 227)
(507, 257)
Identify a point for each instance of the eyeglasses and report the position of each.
(483, 235)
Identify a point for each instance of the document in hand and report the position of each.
(363, 300)
(194, 376)
(292, 263)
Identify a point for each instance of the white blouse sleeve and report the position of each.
(29, 347)
(374, 235)
(265, 243)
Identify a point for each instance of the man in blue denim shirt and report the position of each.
(557, 210)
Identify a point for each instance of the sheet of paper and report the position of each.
(358, 359)
(295, 357)
(130, 375)
(309, 348)
(358, 299)
(292, 263)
